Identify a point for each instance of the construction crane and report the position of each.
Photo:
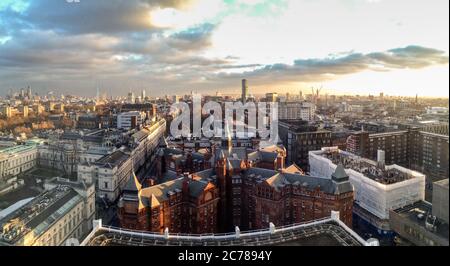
(316, 93)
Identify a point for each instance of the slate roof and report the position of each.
(293, 169)
(339, 174)
(133, 184)
(160, 192)
(114, 159)
(278, 180)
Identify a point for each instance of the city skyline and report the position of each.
(173, 47)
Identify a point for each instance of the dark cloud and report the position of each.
(99, 16)
(57, 45)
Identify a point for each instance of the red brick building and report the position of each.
(187, 205)
(288, 198)
(245, 189)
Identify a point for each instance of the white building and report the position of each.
(65, 155)
(17, 159)
(378, 188)
(145, 142)
(296, 110)
(130, 120)
(65, 211)
(110, 174)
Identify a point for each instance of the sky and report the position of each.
(399, 47)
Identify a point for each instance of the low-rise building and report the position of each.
(299, 137)
(18, 159)
(110, 174)
(65, 211)
(185, 205)
(418, 226)
(379, 188)
(130, 120)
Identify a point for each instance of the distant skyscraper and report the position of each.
(272, 97)
(131, 98)
(244, 90)
(143, 95)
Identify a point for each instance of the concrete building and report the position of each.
(415, 224)
(110, 174)
(379, 188)
(440, 200)
(271, 97)
(244, 91)
(18, 159)
(299, 138)
(418, 150)
(66, 152)
(144, 144)
(65, 211)
(296, 110)
(131, 98)
(130, 120)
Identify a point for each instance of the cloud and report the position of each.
(319, 69)
(85, 17)
(56, 45)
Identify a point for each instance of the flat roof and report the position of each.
(114, 159)
(365, 166)
(417, 213)
(442, 183)
(326, 234)
(38, 214)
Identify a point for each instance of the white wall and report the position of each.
(374, 197)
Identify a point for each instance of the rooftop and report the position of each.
(114, 159)
(17, 149)
(370, 168)
(420, 213)
(298, 125)
(325, 233)
(442, 183)
(38, 214)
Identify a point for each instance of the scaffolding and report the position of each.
(378, 189)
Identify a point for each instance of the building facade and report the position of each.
(418, 150)
(58, 214)
(130, 120)
(248, 189)
(299, 138)
(17, 159)
(184, 205)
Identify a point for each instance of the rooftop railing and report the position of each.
(237, 235)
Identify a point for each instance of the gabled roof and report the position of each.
(154, 202)
(268, 156)
(294, 169)
(132, 185)
(160, 192)
(277, 181)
